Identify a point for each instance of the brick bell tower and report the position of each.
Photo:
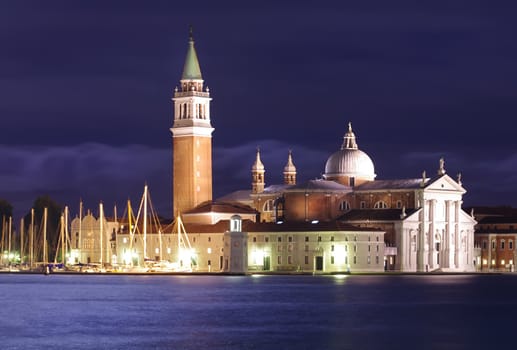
(191, 138)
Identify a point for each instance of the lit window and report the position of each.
(269, 205)
(209, 250)
(157, 250)
(124, 240)
(485, 262)
(344, 205)
(168, 250)
(493, 262)
(380, 205)
(510, 262)
(502, 262)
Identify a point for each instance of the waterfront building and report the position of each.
(348, 220)
(495, 238)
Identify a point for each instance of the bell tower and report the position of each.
(191, 137)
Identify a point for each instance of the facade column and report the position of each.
(457, 239)
(421, 237)
(432, 218)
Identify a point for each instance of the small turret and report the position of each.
(257, 173)
(290, 171)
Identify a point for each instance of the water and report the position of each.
(266, 312)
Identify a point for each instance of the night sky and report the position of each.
(86, 92)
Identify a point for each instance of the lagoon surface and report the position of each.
(258, 312)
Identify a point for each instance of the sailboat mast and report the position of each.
(62, 234)
(101, 218)
(22, 228)
(10, 236)
(45, 253)
(31, 248)
(80, 231)
(145, 222)
(66, 238)
(129, 216)
(3, 239)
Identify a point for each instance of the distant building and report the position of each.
(495, 238)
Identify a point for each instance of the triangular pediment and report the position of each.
(444, 183)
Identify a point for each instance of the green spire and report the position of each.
(191, 68)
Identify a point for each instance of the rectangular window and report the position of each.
(266, 239)
(279, 248)
(290, 248)
(368, 248)
(363, 204)
(377, 248)
(377, 260)
(484, 245)
(510, 245)
(332, 238)
(290, 238)
(355, 259)
(346, 248)
(331, 248)
(279, 239)
(502, 245)
(346, 260)
(306, 238)
(209, 239)
(332, 260)
(368, 259)
(254, 239)
(319, 238)
(279, 260)
(290, 260)
(306, 248)
(306, 260)
(355, 248)
(493, 244)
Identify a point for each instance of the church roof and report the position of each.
(319, 184)
(191, 68)
(375, 214)
(221, 207)
(400, 184)
(295, 226)
(301, 226)
(239, 196)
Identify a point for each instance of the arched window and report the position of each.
(269, 205)
(399, 204)
(344, 205)
(380, 205)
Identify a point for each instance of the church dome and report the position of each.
(349, 161)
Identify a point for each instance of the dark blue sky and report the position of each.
(86, 85)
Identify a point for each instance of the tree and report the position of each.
(54, 211)
(6, 209)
